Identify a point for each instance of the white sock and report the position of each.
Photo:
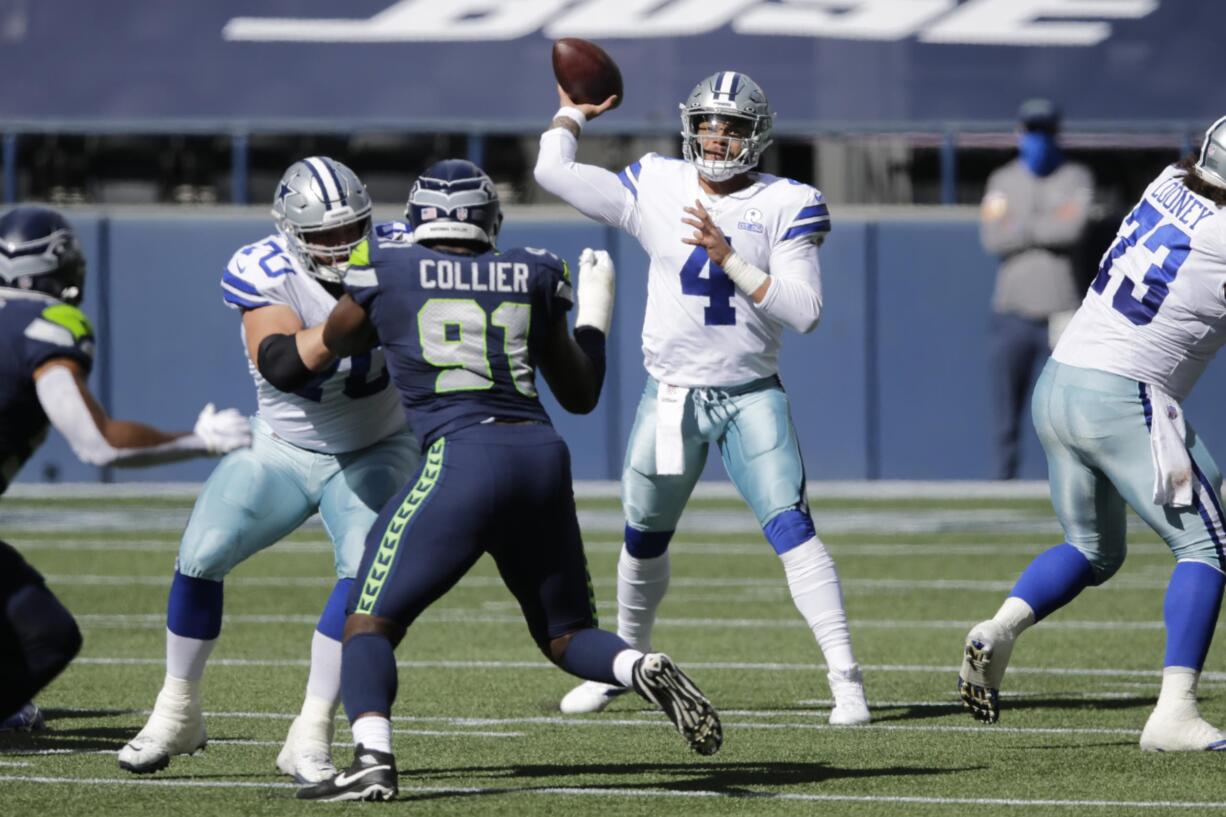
(623, 666)
(180, 687)
(1015, 615)
(641, 585)
(319, 709)
(373, 732)
(185, 657)
(324, 679)
(814, 582)
(1178, 688)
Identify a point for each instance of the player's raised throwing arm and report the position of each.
(593, 191)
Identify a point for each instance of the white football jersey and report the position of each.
(1156, 312)
(699, 329)
(346, 408)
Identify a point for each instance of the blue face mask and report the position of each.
(1039, 152)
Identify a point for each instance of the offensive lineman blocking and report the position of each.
(495, 477)
(329, 438)
(1107, 410)
(711, 338)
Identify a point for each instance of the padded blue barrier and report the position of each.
(892, 384)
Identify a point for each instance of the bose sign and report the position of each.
(972, 22)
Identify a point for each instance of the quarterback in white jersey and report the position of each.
(1107, 410)
(733, 264)
(329, 437)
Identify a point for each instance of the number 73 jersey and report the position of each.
(699, 329)
(460, 332)
(1156, 312)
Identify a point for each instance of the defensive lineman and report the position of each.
(46, 353)
(465, 326)
(329, 438)
(711, 336)
(1107, 410)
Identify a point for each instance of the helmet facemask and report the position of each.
(725, 125)
(324, 252)
(721, 145)
(323, 210)
(1211, 163)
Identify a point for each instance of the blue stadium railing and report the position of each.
(947, 137)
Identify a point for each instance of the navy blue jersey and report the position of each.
(34, 328)
(460, 332)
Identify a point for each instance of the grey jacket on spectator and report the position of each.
(1034, 224)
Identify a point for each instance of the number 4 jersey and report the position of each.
(1156, 311)
(460, 331)
(347, 406)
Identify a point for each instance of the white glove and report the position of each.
(222, 431)
(596, 290)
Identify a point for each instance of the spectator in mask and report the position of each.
(1034, 215)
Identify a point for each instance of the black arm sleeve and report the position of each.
(592, 342)
(281, 365)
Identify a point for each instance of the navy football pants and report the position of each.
(38, 636)
(501, 489)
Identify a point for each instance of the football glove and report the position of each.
(596, 290)
(222, 431)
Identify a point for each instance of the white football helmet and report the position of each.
(1211, 164)
(735, 107)
(323, 209)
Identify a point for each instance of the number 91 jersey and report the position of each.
(1156, 312)
(346, 407)
(460, 331)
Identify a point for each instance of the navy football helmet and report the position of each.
(454, 200)
(39, 251)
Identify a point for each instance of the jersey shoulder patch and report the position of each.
(361, 273)
(257, 274)
(805, 214)
(59, 330)
(632, 175)
(549, 272)
(393, 233)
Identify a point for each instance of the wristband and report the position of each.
(573, 114)
(745, 275)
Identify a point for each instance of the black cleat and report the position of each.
(371, 777)
(658, 679)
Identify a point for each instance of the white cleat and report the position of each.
(850, 705)
(985, 657)
(590, 696)
(1180, 729)
(307, 753)
(176, 727)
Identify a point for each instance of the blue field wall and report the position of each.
(893, 384)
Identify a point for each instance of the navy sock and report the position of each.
(590, 655)
(368, 675)
(1053, 579)
(194, 607)
(332, 620)
(1193, 599)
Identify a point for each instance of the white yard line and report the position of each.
(644, 793)
(599, 489)
(975, 585)
(1097, 672)
(157, 621)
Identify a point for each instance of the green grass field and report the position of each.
(477, 727)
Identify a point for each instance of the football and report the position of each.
(586, 72)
